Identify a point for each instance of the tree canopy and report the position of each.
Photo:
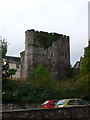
(85, 63)
(6, 72)
(4, 48)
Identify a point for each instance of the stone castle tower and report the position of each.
(50, 49)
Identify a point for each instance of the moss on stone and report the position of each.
(46, 39)
(22, 53)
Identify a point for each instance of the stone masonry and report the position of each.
(64, 113)
(55, 55)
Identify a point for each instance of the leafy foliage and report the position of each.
(44, 89)
(6, 72)
(85, 63)
(41, 72)
(45, 39)
(69, 72)
(4, 48)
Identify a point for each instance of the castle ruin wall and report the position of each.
(56, 56)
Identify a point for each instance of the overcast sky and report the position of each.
(68, 17)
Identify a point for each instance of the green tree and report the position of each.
(85, 63)
(6, 72)
(38, 73)
(4, 48)
(69, 72)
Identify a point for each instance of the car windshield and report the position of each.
(61, 102)
(45, 103)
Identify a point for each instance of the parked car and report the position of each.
(70, 103)
(49, 104)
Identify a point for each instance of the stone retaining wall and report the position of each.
(70, 113)
(20, 106)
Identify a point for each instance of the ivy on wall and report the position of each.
(46, 39)
(22, 53)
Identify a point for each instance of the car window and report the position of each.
(81, 102)
(72, 102)
(61, 102)
(53, 103)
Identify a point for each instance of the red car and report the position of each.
(49, 104)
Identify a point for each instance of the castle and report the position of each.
(50, 49)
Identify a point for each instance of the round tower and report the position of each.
(29, 41)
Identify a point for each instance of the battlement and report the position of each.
(44, 39)
(32, 30)
(43, 32)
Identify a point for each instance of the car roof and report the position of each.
(71, 99)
